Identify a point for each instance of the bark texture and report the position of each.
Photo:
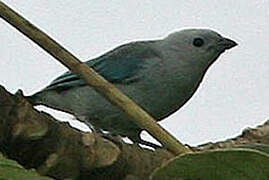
(37, 140)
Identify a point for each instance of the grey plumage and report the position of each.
(160, 76)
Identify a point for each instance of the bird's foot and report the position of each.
(149, 144)
(117, 139)
(138, 141)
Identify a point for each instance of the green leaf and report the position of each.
(11, 170)
(229, 164)
(260, 147)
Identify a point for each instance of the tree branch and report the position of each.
(258, 135)
(37, 140)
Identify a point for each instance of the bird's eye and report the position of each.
(198, 42)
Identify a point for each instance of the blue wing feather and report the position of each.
(120, 65)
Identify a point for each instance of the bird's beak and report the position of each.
(226, 43)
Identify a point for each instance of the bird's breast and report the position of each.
(162, 92)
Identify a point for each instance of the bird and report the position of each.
(159, 75)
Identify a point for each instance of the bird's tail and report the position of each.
(34, 99)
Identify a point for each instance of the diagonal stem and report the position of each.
(93, 79)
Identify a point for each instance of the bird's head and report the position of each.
(198, 45)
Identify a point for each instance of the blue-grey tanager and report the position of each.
(159, 75)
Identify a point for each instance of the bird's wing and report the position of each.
(120, 65)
